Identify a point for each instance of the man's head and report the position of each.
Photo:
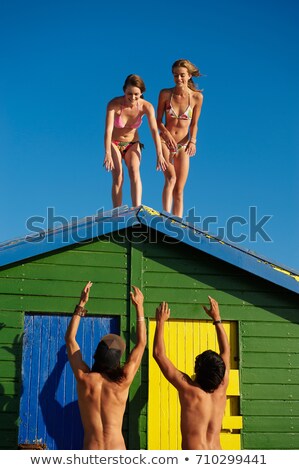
(209, 370)
(108, 354)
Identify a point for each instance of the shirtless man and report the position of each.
(202, 400)
(103, 390)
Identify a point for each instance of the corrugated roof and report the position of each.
(88, 228)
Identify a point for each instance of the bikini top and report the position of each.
(186, 115)
(118, 122)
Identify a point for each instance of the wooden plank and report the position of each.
(60, 288)
(136, 401)
(10, 369)
(9, 439)
(272, 391)
(232, 422)
(11, 319)
(274, 440)
(85, 258)
(268, 376)
(66, 273)
(270, 329)
(9, 387)
(233, 388)
(265, 407)
(202, 281)
(270, 360)
(285, 345)
(8, 404)
(106, 245)
(230, 441)
(184, 266)
(10, 336)
(270, 423)
(232, 297)
(29, 303)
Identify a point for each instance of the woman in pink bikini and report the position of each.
(123, 118)
(181, 106)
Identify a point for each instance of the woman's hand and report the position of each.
(161, 163)
(108, 162)
(191, 149)
(170, 141)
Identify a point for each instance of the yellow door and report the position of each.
(184, 340)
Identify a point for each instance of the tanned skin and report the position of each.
(102, 401)
(201, 412)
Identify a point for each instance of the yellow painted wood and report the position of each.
(184, 340)
(232, 422)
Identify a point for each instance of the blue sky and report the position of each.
(62, 61)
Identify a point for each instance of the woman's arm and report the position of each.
(108, 161)
(150, 113)
(166, 135)
(191, 147)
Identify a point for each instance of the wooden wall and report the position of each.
(268, 324)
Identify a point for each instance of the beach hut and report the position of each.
(41, 277)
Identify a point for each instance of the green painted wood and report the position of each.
(270, 360)
(261, 344)
(270, 329)
(270, 376)
(231, 297)
(270, 391)
(267, 407)
(9, 387)
(228, 312)
(9, 335)
(106, 245)
(11, 319)
(62, 304)
(203, 281)
(85, 258)
(9, 369)
(135, 398)
(184, 265)
(9, 439)
(60, 288)
(9, 404)
(269, 423)
(66, 273)
(270, 440)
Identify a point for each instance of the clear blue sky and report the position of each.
(62, 61)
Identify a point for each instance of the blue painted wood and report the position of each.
(49, 411)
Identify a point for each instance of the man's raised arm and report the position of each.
(170, 372)
(73, 348)
(134, 360)
(223, 343)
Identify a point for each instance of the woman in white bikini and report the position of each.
(123, 118)
(181, 106)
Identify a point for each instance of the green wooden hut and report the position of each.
(41, 277)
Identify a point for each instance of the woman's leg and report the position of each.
(117, 177)
(181, 166)
(132, 159)
(170, 179)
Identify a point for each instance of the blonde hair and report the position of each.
(192, 70)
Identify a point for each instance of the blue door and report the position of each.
(49, 412)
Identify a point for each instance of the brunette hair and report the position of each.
(107, 357)
(192, 70)
(209, 370)
(134, 80)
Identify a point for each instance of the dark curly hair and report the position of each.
(209, 370)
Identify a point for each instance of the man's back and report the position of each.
(201, 416)
(102, 404)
